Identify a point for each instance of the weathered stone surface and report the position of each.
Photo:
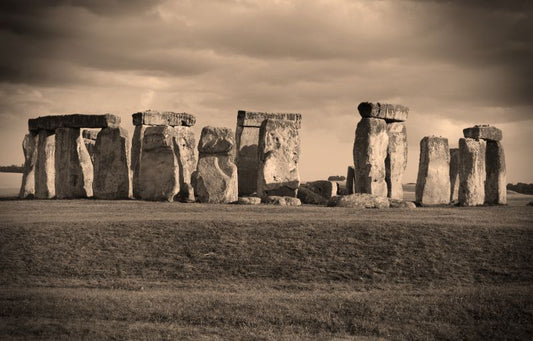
(279, 152)
(90, 145)
(433, 181)
(396, 159)
(395, 203)
(350, 180)
(215, 179)
(136, 152)
(185, 148)
(215, 140)
(359, 200)
(455, 164)
(249, 201)
(158, 176)
(74, 169)
(307, 196)
(472, 172)
(483, 131)
(45, 171)
(326, 189)
(336, 178)
(73, 121)
(254, 119)
(369, 153)
(389, 112)
(247, 140)
(165, 118)
(112, 174)
(29, 147)
(281, 200)
(90, 134)
(496, 180)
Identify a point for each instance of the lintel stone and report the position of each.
(484, 132)
(163, 118)
(54, 122)
(388, 112)
(254, 119)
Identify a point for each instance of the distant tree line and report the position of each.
(521, 188)
(12, 169)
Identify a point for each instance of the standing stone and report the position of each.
(215, 179)
(279, 152)
(433, 182)
(350, 178)
(89, 138)
(136, 152)
(396, 159)
(455, 165)
(369, 153)
(74, 169)
(45, 171)
(29, 147)
(112, 175)
(472, 172)
(158, 178)
(185, 148)
(496, 182)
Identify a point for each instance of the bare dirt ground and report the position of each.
(89, 269)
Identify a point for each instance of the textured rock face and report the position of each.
(279, 152)
(90, 134)
(350, 178)
(249, 201)
(307, 196)
(89, 138)
(281, 200)
(136, 152)
(326, 189)
(29, 147)
(369, 153)
(485, 132)
(45, 171)
(255, 119)
(90, 145)
(185, 148)
(433, 182)
(389, 112)
(74, 169)
(395, 203)
(496, 181)
(359, 200)
(455, 164)
(112, 174)
(396, 159)
(158, 177)
(215, 180)
(166, 118)
(216, 140)
(73, 121)
(472, 172)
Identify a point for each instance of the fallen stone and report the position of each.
(472, 172)
(249, 201)
(395, 203)
(389, 112)
(254, 119)
(112, 174)
(73, 121)
(359, 200)
(136, 152)
(326, 189)
(279, 152)
(165, 118)
(74, 168)
(45, 171)
(483, 131)
(455, 165)
(214, 140)
(307, 196)
(433, 181)
(215, 179)
(281, 200)
(496, 180)
(29, 147)
(185, 148)
(350, 178)
(369, 153)
(396, 159)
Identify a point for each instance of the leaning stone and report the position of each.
(483, 131)
(29, 147)
(369, 153)
(359, 200)
(73, 121)
(326, 189)
(45, 171)
(158, 178)
(112, 174)
(249, 201)
(455, 165)
(389, 112)
(215, 140)
(281, 200)
(395, 203)
(185, 148)
(472, 172)
(350, 178)
(307, 196)
(165, 118)
(136, 151)
(215, 179)
(279, 152)
(74, 169)
(496, 181)
(254, 119)
(433, 181)
(396, 159)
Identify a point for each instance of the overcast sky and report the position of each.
(454, 64)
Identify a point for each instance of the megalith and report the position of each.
(350, 178)
(455, 165)
(279, 153)
(483, 132)
(215, 179)
(89, 138)
(396, 159)
(136, 152)
(472, 172)
(112, 174)
(433, 181)
(29, 147)
(496, 179)
(45, 171)
(185, 148)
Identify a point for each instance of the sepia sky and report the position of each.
(453, 63)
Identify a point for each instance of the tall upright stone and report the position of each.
(369, 153)
(112, 174)
(350, 178)
(136, 152)
(247, 141)
(472, 172)
(455, 165)
(89, 138)
(74, 169)
(45, 171)
(396, 160)
(186, 152)
(433, 181)
(215, 179)
(496, 180)
(279, 153)
(29, 147)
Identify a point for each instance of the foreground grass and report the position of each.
(137, 270)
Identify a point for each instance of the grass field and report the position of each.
(88, 269)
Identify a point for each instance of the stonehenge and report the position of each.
(455, 164)
(433, 181)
